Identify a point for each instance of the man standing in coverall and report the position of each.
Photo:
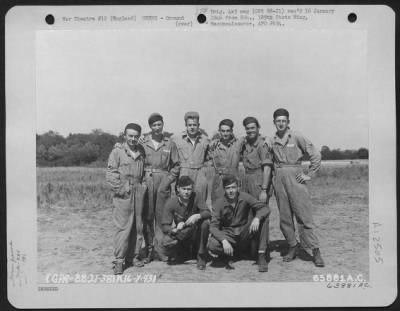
(232, 227)
(190, 214)
(161, 170)
(124, 176)
(290, 186)
(192, 147)
(225, 157)
(257, 161)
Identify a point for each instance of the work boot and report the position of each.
(138, 262)
(304, 255)
(177, 258)
(201, 262)
(262, 262)
(291, 254)
(149, 257)
(318, 262)
(128, 262)
(118, 267)
(229, 263)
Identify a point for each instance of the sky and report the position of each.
(104, 79)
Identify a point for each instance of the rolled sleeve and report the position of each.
(315, 155)
(261, 209)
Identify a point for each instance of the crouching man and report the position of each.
(191, 216)
(124, 176)
(233, 227)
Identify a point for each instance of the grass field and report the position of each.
(75, 229)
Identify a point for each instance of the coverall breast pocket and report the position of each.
(165, 157)
(292, 153)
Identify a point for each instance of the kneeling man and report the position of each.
(233, 227)
(191, 216)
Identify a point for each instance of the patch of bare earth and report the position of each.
(75, 236)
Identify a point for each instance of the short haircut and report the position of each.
(249, 120)
(229, 180)
(281, 112)
(227, 122)
(133, 126)
(185, 181)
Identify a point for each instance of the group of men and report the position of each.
(232, 219)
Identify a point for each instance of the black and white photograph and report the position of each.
(202, 148)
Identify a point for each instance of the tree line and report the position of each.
(93, 149)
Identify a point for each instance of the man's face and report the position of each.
(226, 132)
(131, 137)
(252, 130)
(192, 126)
(185, 192)
(157, 127)
(231, 191)
(281, 123)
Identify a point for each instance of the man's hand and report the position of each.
(165, 184)
(301, 178)
(180, 226)
(254, 225)
(192, 219)
(118, 145)
(228, 249)
(141, 140)
(125, 189)
(263, 196)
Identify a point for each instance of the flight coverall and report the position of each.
(192, 158)
(161, 170)
(233, 224)
(255, 156)
(125, 175)
(293, 197)
(225, 159)
(195, 234)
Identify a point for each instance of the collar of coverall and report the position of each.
(238, 200)
(256, 142)
(134, 154)
(148, 140)
(183, 203)
(288, 134)
(230, 142)
(186, 135)
(148, 137)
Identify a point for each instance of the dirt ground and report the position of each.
(75, 233)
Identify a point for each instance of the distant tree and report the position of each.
(335, 154)
(41, 155)
(325, 152)
(49, 139)
(349, 154)
(363, 153)
(105, 142)
(97, 132)
(56, 152)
